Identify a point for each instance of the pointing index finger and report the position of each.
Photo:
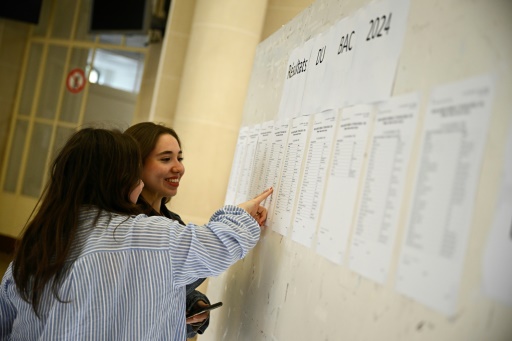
(264, 195)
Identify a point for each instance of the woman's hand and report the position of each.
(254, 208)
(200, 317)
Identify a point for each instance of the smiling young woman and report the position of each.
(163, 168)
(91, 265)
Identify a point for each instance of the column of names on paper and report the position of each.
(313, 180)
(236, 166)
(453, 140)
(377, 217)
(342, 182)
(292, 166)
(272, 173)
(243, 186)
(261, 158)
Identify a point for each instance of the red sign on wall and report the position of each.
(75, 81)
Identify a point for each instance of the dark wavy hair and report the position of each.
(97, 168)
(147, 134)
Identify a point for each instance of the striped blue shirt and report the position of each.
(127, 281)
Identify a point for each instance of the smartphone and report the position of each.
(201, 310)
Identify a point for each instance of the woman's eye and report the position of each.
(166, 159)
(180, 159)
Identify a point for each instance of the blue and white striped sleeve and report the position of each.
(7, 311)
(205, 251)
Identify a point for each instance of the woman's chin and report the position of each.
(172, 193)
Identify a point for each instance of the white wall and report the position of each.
(285, 291)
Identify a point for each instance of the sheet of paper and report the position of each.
(246, 169)
(311, 187)
(295, 80)
(236, 166)
(497, 260)
(290, 175)
(379, 208)
(380, 32)
(343, 180)
(316, 88)
(272, 173)
(453, 139)
(339, 54)
(261, 158)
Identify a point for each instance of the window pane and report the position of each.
(13, 165)
(137, 40)
(52, 81)
(119, 69)
(114, 39)
(71, 101)
(29, 83)
(36, 161)
(63, 14)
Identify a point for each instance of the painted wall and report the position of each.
(286, 291)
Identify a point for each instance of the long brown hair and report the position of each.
(96, 167)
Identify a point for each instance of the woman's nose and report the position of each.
(177, 168)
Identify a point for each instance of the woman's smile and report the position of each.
(174, 182)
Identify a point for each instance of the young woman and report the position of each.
(162, 162)
(89, 266)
